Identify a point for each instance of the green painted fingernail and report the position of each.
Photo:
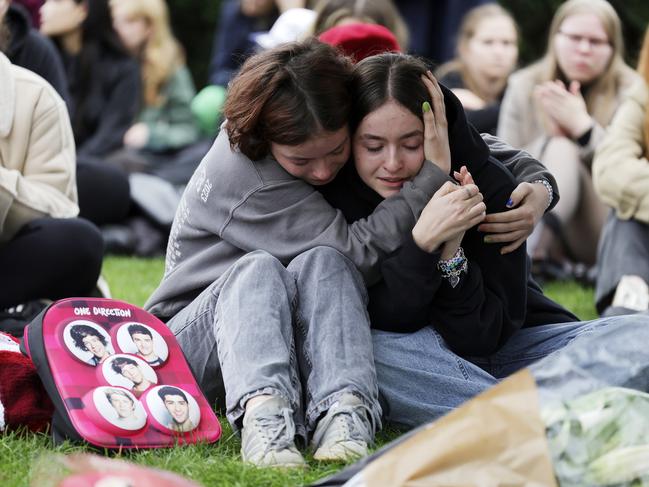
(425, 106)
(487, 239)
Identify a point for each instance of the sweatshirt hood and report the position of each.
(19, 25)
(467, 147)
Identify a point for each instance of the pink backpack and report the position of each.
(117, 377)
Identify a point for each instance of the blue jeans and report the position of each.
(420, 378)
(300, 332)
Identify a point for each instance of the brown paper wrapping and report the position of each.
(495, 440)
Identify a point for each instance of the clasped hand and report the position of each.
(451, 211)
(564, 108)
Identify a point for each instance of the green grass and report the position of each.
(133, 280)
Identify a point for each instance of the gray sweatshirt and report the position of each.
(233, 205)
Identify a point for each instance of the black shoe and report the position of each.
(584, 275)
(118, 239)
(548, 270)
(14, 319)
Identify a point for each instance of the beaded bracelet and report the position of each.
(548, 187)
(452, 268)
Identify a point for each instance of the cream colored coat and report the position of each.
(37, 155)
(521, 125)
(620, 167)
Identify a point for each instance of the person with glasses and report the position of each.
(557, 109)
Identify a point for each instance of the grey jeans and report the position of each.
(301, 332)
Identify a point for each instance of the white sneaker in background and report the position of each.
(102, 288)
(632, 292)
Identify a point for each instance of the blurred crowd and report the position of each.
(101, 126)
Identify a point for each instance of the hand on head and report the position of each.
(436, 144)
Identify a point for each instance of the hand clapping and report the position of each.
(564, 108)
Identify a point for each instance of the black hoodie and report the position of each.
(31, 50)
(495, 299)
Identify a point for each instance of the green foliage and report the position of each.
(534, 18)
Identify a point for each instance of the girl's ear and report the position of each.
(82, 11)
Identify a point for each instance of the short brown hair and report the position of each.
(287, 94)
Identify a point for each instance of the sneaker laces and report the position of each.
(278, 429)
(359, 429)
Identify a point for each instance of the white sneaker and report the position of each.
(268, 436)
(632, 292)
(345, 432)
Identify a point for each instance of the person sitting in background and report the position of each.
(621, 179)
(557, 109)
(332, 13)
(165, 123)
(104, 98)
(433, 26)
(45, 252)
(487, 51)
(29, 49)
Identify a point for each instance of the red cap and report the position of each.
(360, 40)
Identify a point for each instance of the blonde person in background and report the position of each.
(487, 52)
(331, 13)
(558, 109)
(621, 178)
(165, 123)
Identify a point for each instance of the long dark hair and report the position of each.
(286, 95)
(98, 40)
(384, 77)
(393, 76)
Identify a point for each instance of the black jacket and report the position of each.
(110, 108)
(495, 299)
(31, 50)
